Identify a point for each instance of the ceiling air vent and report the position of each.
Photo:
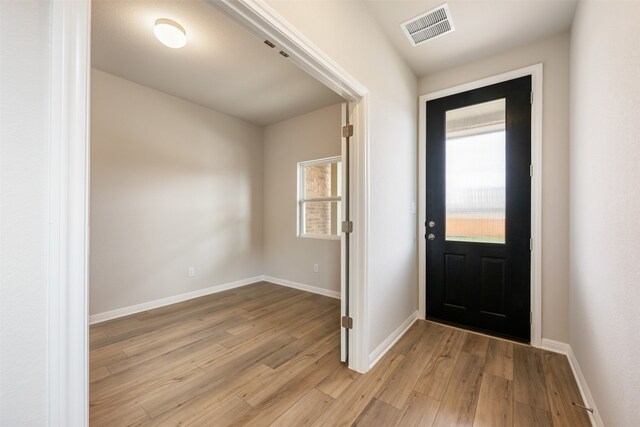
(429, 25)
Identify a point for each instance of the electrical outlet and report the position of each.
(191, 271)
(315, 268)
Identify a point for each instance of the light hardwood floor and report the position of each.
(268, 355)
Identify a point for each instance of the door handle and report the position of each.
(431, 237)
(432, 224)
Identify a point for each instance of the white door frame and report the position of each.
(69, 190)
(535, 71)
(68, 388)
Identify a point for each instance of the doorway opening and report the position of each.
(69, 257)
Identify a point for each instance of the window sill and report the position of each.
(319, 237)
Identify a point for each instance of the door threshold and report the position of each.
(477, 331)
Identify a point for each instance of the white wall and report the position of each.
(24, 137)
(605, 205)
(554, 54)
(173, 185)
(357, 43)
(286, 256)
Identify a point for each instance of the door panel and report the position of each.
(479, 209)
(454, 281)
(494, 283)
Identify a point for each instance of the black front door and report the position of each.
(479, 209)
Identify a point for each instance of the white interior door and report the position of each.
(344, 239)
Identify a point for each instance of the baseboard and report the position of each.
(138, 308)
(555, 346)
(584, 389)
(125, 311)
(587, 397)
(301, 286)
(386, 345)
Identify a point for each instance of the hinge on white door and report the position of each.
(347, 130)
(347, 227)
(531, 98)
(530, 171)
(530, 244)
(347, 322)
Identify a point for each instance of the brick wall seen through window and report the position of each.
(320, 198)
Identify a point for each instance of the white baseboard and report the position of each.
(302, 286)
(386, 345)
(555, 346)
(587, 397)
(125, 311)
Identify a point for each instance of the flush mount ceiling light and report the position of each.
(170, 33)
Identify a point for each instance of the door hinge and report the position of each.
(347, 227)
(347, 130)
(347, 322)
(530, 244)
(531, 98)
(531, 317)
(530, 171)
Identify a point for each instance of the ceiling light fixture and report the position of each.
(170, 33)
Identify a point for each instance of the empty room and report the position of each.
(327, 213)
(216, 183)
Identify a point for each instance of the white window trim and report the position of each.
(301, 199)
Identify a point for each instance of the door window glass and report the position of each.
(476, 173)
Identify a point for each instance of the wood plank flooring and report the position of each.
(266, 355)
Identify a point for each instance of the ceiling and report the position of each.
(222, 67)
(483, 27)
(225, 68)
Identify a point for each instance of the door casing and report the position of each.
(536, 73)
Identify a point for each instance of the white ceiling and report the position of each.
(226, 69)
(222, 67)
(483, 27)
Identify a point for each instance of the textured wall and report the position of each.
(24, 145)
(605, 205)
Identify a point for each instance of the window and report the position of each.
(320, 198)
(476, 173)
